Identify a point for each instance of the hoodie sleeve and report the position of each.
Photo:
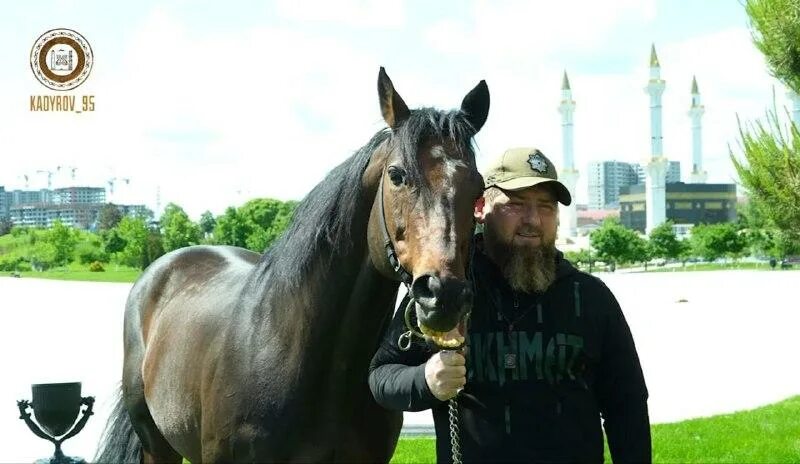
(396, 377)
(622, 392)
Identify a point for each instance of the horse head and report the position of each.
(421, 224)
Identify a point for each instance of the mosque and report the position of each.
(642, 207)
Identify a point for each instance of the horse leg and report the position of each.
(156, 448)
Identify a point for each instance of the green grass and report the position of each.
(714, 267)
(76, 272)
(770, 434)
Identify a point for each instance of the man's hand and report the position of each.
(446, 374)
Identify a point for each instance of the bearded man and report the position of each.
(549, 361)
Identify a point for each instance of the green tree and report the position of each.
(207, 223)
(108, 217)
(113, 241)
(5, 226)
(133, 231)
(614, 243)
(256, 225)
(266, 219)
(770, 168)
(639, 250)
(713, 241)
(63, 239)
(231, 229)
(179, 230)
(663, 242)
(154, 247)
(775, 26)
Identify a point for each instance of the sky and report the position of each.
(208, 104)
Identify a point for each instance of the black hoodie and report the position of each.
(571, 360)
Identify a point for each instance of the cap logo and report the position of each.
(537, 163)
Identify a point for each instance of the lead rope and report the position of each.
(455, 439)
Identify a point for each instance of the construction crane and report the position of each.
(49, 177)
(71, 169)
(111, 182)
(25, 177)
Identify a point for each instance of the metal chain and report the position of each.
(455, 441)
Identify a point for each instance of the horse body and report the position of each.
(254, 403)
(232, 356)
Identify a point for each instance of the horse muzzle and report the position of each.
(442, 305)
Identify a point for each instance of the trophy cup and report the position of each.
(56, 406)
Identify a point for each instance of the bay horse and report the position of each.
(232, 356)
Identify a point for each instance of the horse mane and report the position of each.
(320, 223)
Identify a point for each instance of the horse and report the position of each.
(233, 356)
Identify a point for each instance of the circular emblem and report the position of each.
(61, 59)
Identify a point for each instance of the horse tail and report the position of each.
(119, 442)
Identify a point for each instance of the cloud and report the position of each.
(209, 118)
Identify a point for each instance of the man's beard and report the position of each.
(529, 269)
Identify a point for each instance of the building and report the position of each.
(685, 204)
(77, 195)
(77, 207)
(606, 178)
(673, 175)
(4, 204)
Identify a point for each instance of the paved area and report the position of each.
(731, 345)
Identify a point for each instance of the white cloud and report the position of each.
(216, 117)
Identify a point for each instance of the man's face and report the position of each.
(520, 230)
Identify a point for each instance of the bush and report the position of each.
(24, 266)
(9, 263)
(88, 253)
(96, 266)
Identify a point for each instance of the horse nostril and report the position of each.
(426, 289)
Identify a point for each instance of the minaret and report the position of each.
(656, 167)
(568, 175)
(698, 176)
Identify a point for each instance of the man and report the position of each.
(549, 352)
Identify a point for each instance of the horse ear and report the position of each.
(393, 107)
(476, 105)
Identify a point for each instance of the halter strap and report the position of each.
(404, 275)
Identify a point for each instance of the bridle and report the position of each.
(404, 341)
(406, 338)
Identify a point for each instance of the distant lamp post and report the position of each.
(56, 406)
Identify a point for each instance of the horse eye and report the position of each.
(397, 176)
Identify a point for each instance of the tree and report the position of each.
(770, 169)
(614, 243)
(266, 219)
(63, 240)
(775, 26)
(663, 242)
(109, 217)
(113, 241)
(231, 229)
(714, 241)
(207, 224)
(134, 232)
(5, 226)
(256, 225)
(154, 247)
(179, 230)
(639, 250)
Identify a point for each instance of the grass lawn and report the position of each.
(770, 434)
(113, 273)
(714, 267)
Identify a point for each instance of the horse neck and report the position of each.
(339, 315)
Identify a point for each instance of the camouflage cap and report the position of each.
(520, 168)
